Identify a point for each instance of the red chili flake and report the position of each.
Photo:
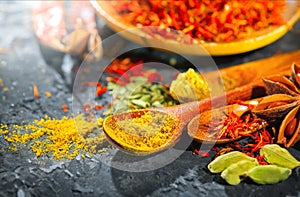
(35, 91)
(86, 107)
(98, 107)
(120, 67)
(261, 160)
(201, 153)
(234, 126)
(217, 21)
(65, 108)
(259, 144)
(255, 142)
(112, 79)
(215, 148)
(101, 90)
(261, 138)
(121, 71)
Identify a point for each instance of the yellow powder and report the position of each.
(147, 131)
(189, 86)
(61, 139)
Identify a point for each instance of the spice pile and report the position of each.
(280, 112)
(132, 86)
(192, 86)
(138, 93)
(189, 86)
(146, 131)
(205, 20)
(63, 138)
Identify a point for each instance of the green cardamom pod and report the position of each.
(276, 155)
(222, 162)
(269, 174)
(233, 173)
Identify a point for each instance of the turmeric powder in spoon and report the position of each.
(142, 131)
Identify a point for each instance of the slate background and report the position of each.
(26, 62)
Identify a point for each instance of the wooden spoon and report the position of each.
(181, 115)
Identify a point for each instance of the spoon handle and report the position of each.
(189, 110)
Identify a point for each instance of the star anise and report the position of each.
(282, 104)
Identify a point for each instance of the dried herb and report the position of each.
(138, 93)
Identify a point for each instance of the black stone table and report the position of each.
(23, 62)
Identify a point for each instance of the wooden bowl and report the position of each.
(259, 39)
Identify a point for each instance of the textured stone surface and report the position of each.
(21, 174)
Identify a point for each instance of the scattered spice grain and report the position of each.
(48, 94)
(57, 138)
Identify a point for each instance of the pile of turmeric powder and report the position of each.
(191, 86)
(145, 132)
(64, 138)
